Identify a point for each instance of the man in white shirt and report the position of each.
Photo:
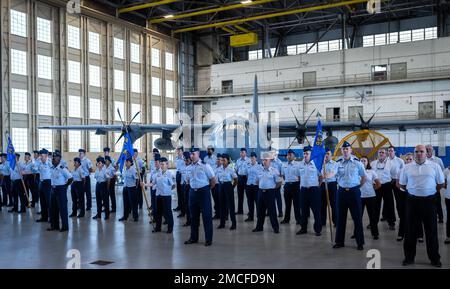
(438, 161)
(420, 179)
(400, 197)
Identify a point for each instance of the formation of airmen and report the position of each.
(347, 184)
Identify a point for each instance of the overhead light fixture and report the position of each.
(246, 2)
(168, 16)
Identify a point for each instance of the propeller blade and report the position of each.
(361, 118)
(370, 119)
(121, 136)
(306, 121)
(120, 116)
(135, 116)
(298, 123)
(292, 143)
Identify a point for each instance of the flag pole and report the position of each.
(149, 211)
(328, 199)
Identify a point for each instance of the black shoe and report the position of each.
(106, 218)
(176, 209)
(337, 246)
(382, 219)
(399, 239)
(239, 213)
(122, 219)
(216, 217)
(38, 213)
(284, 222)
(181, 215)
(276, 231)
(248, 220)
(41, 220)
(190, 241)
(112, 211)
(392, 227)
(88, 209)
(12, 211)
(165, 223)
(72, 215)
(301, 232)
(437, 264)
(368, 227)
(297, 223)
(375, 237)
(420, 240)
(318, 234)
(135, 219)
(407, 262)
(156, 230)
(96, 217)
(221, 227)
(187, 224)
(169, 231)
(440, 222)
(257, 230)
(80, 216)
(233, 227)
(280, 215)
(446, 242)
(51, 229)
(64, 230)
(352, 237)
(360, 248)
(21, 211)
(208, 243)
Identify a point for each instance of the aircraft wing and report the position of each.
(101, 129)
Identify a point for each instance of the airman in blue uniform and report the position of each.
(164, 183)
(310, 197)
(60, 179)
(130, 191)
(241, 165)
(201, 179)
(18, 187)
(268, 181)
(276, 163)
(252, 170)
(186, 187)
(180, 166)
(350, 176)
(6, 181)
(28, 179)
(141, 168)
(36, 178)
(101, 190)
(210, 158)
(86, 165)
(216, 190)
(329, 171)
(44, 167)
(290, 172)
(227, 178)
(77, 190)
(111, 182)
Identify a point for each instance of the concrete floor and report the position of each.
(26, 244)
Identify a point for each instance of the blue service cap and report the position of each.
(100, 160)
(226, 156)
(290, 151)
(186, 155)
(253, 154)
(56, 154)
(157, 157)
(327, 149)
(135, 150)
(243, 150)
(129, 159)
(43, 152)
(163, 159)
(346, 144)
(3, 155)
(155, 150)
(219, 155)
(81, 151)
(194, 149)
(35, 151)
(108, 158)
(17, 155)
(78, 160)
(307, 149)
(106, 149)
(28, 154)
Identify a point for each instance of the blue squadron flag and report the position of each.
(127, 151)
(11, 157)
(318, 151)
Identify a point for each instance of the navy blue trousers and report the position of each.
(19, 192)
(186, 189)
(349, 200)
(227, 203)
(164, 206)
(87, 189)
(58, 207)
(266, 201)
(310, 198)
(279, 201)
(292, 196)
(242, 180)
(77, 194)
(251, 191)
(200, 202)
(102, 198)
(45, 188)
(6, 189)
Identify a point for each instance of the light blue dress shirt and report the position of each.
(210, 160)
(309, 175)
(86, 164)
(6, 169)
(60, 175)
(179, 163)
(164, 182)
(101, 176)
(15, 174)
(241, 166)
(268, 178)
(349, 172)
(252, 171)
(291, 171)
(199, 175)
(276, 163)
(44, 169)
(77, 174)
(226, 174)
(28, 167)
(331, 168)
(129, 177)
(111, 171)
